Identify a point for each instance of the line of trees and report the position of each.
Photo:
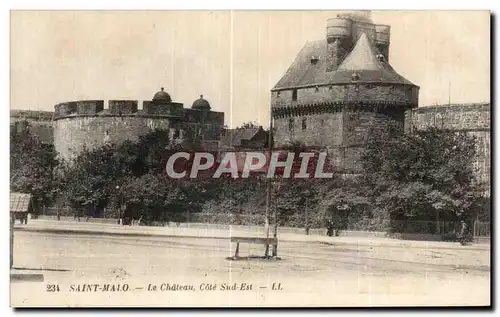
(427, 175)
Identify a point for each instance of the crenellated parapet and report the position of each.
(172, 109)
(122, 107)
(90, 108)
(332, 98)
(78, 108)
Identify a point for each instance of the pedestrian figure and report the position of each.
(464, 233)
(329, 228)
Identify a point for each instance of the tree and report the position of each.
(248, 125)
(426, 175)
(31, 167)
(90, 181)
(152, 197)
(297, 200)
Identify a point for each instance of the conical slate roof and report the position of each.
(362, 57)
(362, 60)
(368, 65)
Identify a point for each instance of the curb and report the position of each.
(319, 241)
(18, 277)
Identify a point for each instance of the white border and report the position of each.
(185, 5)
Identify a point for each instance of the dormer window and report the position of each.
(381, 57)
(314, 59)
(355, 77)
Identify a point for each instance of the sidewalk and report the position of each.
(22, 275)
(69, 227)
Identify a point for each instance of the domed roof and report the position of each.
(162, 96)
(201, 104)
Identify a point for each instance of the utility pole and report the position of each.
(275, 216)
(12, 219)
(268, 191)
(268, 183)
(307, 216)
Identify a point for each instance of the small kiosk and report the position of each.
(20, 206)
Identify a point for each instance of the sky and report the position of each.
(233, 58)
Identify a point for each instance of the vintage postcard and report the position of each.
(250, 158)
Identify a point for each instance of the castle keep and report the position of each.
(340, 88)
(87, 123)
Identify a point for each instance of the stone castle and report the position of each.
(339, 88)
(335, 92)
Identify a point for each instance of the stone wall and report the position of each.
(79, 124)
(338, 117)
(349, 93)
(343, 133)
(320, 130)
(39, 123)
(72, 134)
(473, 119)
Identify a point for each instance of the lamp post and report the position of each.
(12, 220)
(119, 206)
(275, 216)
(306, 213)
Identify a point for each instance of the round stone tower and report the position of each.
(87, 124)
(338, 90)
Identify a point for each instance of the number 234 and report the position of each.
(52, 288)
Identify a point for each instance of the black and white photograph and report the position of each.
(232, 158)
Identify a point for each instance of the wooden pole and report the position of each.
(437, 221)
(307, 217)
(269, 188)
(12, 219)
(275, 215)
(268, 183)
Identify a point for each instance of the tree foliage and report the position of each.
(406, 176)
(248, 125)
(423, 175)
(31, 167)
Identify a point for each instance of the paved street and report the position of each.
(325, 273)
(214, 231)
